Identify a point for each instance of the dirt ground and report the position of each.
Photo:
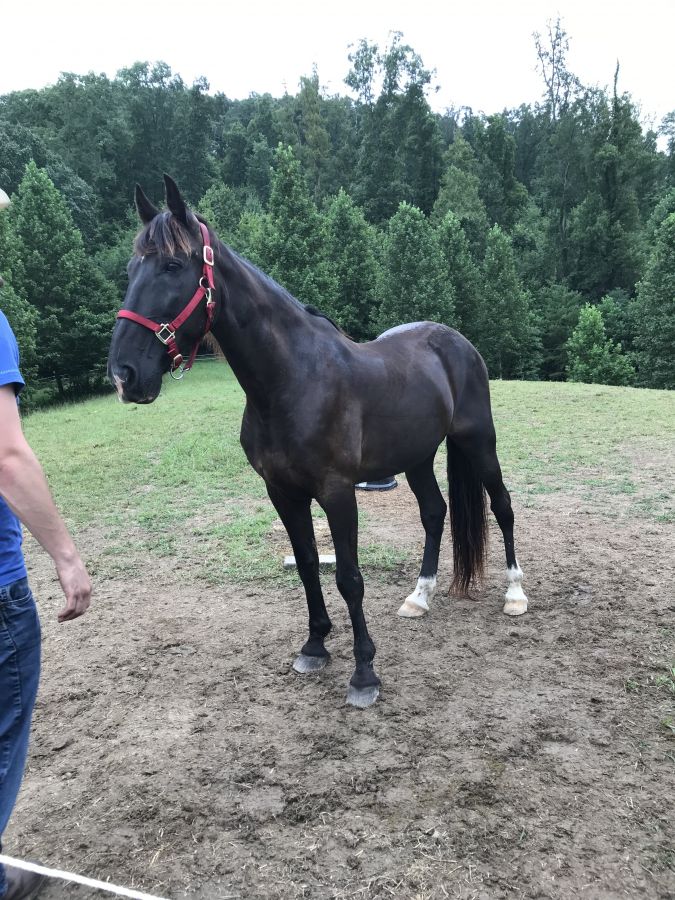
(174, 750)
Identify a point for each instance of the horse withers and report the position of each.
(322, 414)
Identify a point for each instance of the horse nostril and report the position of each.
(127, 375)
(123, 378)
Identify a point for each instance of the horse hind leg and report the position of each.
(483, 455)
(433, 509)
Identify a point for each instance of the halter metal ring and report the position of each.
(165, 337)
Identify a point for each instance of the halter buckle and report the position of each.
(165, 338)
(208, 255)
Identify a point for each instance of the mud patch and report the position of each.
(174, 749)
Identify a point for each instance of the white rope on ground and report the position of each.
(78, 879)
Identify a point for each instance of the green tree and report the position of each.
(508, 333)
(593, 357)
(314, 150)
(656, 312)
(531, 239)
(606, 227)
(561, 85)
(557, 309)
(459, 193)
(351, 248)
(400, 156)
(259, 170)
(291, 245)
(495, 148)
(48, 267)
(223, 206)
(18, 146)
(415, 285)
(619, 314)
(462, 274)
(113, 258)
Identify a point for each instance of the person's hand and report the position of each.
(76, 587)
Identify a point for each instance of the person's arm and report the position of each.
(24, 488)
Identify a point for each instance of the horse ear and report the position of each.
(174, 201)
(146, 210)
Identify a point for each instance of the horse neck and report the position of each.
(257, 326)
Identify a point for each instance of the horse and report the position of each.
(322, 413)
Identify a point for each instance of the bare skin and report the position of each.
(24, 488)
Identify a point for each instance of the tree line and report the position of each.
(546, 233)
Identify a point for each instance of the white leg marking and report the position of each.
(417, 604)
(515, 600)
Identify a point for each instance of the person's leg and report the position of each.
(19, 677)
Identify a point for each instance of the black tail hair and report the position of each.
(468, 520)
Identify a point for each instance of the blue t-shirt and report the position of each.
(12, 566)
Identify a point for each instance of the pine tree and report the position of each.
(415, 285)
(350, 245)
(508, 334)
(400, 156)
(314, 148)
(557, 309)
(48, 267)
(291, 245)
(504, 196)
(462, 274)
(459, 193)
(593, 357)
(656, 312)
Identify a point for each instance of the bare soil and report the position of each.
(174, 749)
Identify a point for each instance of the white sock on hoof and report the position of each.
(515, 600)
(417, 603)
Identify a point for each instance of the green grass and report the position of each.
(611, 447)
(171, 478)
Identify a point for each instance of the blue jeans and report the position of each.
(19, 677)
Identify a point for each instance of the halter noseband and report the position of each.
(166, 331)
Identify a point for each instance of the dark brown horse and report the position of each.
(322, 413)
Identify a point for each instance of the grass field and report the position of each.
(171, 478)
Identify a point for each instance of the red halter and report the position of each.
(166, 331)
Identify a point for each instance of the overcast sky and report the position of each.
(482, 50)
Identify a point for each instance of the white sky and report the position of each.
(483, 50)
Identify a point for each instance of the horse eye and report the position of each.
(173, 265)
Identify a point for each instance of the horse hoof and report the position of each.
(516, 607)
(306, 664)
(411, 610)
(362, 697)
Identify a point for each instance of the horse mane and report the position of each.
(165, 235)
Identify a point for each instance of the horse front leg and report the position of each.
(339, 503)
(294, 511)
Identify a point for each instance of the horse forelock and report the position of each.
(165, 235)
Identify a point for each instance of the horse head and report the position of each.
(170, 301)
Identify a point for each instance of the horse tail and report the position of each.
(468, 520)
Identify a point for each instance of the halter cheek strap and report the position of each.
(166, 331)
